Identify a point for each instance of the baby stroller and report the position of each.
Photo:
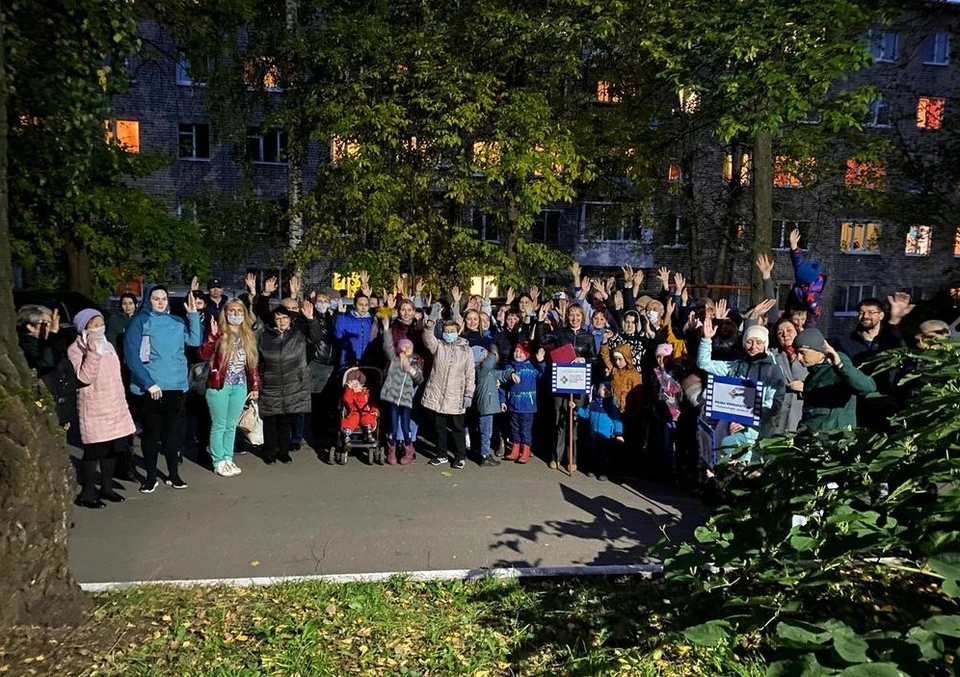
(358, 439)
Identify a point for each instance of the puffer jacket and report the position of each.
(401, 381)
(489, 395)
(355, 334)
(284, 376)
(522, 397)
(604, 417)
(626, 383)
(104, 415)
(453, 379)
(210, 351)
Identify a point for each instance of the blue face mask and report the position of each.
(449, 337)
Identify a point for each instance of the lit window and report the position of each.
(674, 172)
(860, 237)
(864, 175)
(555, 167)
(956, 243)
(782, 229)
(261, 72)
(126, 132)
(878, 114)
(486, 154)
(918, 241)
(955, 296)
(267, 148)
(349, 283)
(787, 172)
(341, 149)
(689, 100)
(479, 283)
(883, 45)
(849, 297)
(930, 112)
(194, 142)
(603, 222)
(745, 165)
(936, 49)
(605, 93)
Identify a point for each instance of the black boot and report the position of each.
(88, 488)
(107, 465)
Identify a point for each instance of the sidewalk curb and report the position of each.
(649, 571)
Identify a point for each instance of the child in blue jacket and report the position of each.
(606, 429)
(520, 377)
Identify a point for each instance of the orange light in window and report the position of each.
(343, 148)
(127, 133)
(930, 112)
(864, 175)
(605, 93)
(674, 172)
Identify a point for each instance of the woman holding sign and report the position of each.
(758, 366)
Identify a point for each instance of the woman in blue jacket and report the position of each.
(154, 351)
(354, 330)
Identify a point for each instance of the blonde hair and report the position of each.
(574, 308)
(244, 333)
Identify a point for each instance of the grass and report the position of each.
(577, 627)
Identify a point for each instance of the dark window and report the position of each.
(270, 147)
(546, 229)
(194, 141)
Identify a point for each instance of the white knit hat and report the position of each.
(756, 332)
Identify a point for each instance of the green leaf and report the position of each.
(803, 666)
(802, 637)
(872, 670)
(851, 647)
(943, 625)
(929, 643)
(710, 633)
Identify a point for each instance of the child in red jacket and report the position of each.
(361, 411)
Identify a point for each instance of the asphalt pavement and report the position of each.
(309, 517)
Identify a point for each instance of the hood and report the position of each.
(808, 272)
(145, 308)
(625, 350)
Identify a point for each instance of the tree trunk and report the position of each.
(762, 208)
(36, 586)
(295, 153)
(79, 270)
(723, 274)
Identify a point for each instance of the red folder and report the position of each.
(563, 355)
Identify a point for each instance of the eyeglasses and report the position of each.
(869, 312)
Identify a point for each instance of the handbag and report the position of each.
(250, 424)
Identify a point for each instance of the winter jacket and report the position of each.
(320, 354)
(354, 333)
(104, 415)
(161, 339)
(488, 396)
(581, 340)
(284, 375)
(792, 411)
(626, 383)
(116, 329)
(808, 286)
(522, 397)
(604, 417)
(403, 375)
(859, 350)
(359, 402)
(452, 382)
(210, 352)
(829, 395)
(639, 345)
(49, 358)
(764, 370)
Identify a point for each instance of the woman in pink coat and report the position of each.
(105, 420)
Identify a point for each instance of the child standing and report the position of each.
(666, 407)
(361, 412)
(606, 428)
(488, 400)
(404, 374)
(521, 378)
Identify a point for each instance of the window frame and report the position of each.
(540, 223)
(113, 132)
(278, 136)
(851, 310)
(785, 233)
(937, 38)
(193, 135)
(182, 73)
(927, 110)
(866, 224)
(924, 236)
(485, 218)
(586, 236)
(878, 38)
(677, 233)
(956, 243)
(875, 109)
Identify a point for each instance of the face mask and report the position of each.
(235, 319)
(449, 337)
(95, 334)
(653, 315)
(323, 307)
(693, 394)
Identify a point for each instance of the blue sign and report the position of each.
(736, 400)
(571, 378)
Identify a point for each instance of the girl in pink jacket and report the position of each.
(105, 420)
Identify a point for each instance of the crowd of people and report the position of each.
(457, 377)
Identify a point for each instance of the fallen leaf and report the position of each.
(447, 474)
(255, 563)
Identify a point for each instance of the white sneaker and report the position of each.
(223, 469)
(234, 469)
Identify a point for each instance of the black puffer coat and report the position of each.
(284, 372)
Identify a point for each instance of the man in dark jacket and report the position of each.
(832, 385)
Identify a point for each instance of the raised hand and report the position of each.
(795, 239)
(765, 264)
(618, 301)
(680, 282)
(510, 296)
(607, 335)
(194, 284)
(270, 286)
(544, 309)
(575, 269)
(487, 291)
(251, 282)
(832, 356)
(722, 308)
(541, 355)
(191, 303)
(418, 286)
(564, 304)
(534, 293)
(214, 326)
(54, 322)
(611, 281)
(663, 274)
(627, 275)
(900, 306)
(294, 283)
(691, 321)
(456, 295)
(763, 308)
(365, 287)
(709, 329)
(391, 299)
(671, 306)
(638, 277)
(307, 309)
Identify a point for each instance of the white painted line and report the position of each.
(641, 570)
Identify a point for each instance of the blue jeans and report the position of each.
(401, 428)
(521, 428)
(225, 405)
(299, 423)
(485, 423)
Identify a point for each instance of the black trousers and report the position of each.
(454, 424)
(160, 420)
(104, 455)
(276, 436)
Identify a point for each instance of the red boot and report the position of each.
(408, 455)
(514, 453)
(391, 452)
(525, 454)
